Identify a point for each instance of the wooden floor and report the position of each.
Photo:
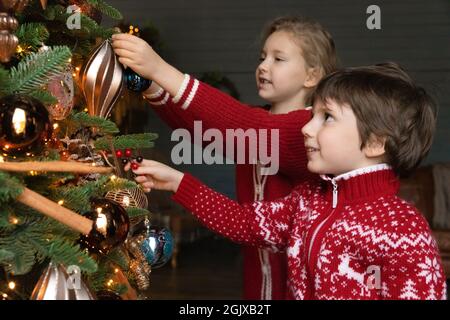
(209, 268)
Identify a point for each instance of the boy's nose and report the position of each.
(307, 130)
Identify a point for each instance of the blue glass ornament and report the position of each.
(157, 246)
(135, 82)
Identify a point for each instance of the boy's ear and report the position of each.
(313, 76)
(375, 147)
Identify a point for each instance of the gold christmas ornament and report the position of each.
(134, 198)
(56, 284)
(13, 5)
(8, 41)
(7, 22)
(8, 45)
(139, 267)
(102, 80)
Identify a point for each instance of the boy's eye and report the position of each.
(328, 117)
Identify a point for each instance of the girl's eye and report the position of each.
(262, 58)
(279, 59)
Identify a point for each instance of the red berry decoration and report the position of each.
(128, 152)
(119, 153)
(134, 166)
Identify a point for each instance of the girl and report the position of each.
(296, 54)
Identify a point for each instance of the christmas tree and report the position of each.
(67, 209)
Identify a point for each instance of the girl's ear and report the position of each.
(313, 76)
(375, 147)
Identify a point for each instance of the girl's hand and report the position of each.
(137, 54)
(152, 174)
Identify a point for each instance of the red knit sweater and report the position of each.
(198, 101)
(349, 237)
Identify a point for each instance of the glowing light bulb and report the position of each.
(19, 121)
(12, 285)
(101, 222)
(61, 202)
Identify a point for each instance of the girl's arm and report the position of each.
(185, 99)
(217, 110)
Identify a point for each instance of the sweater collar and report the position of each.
(368, 182)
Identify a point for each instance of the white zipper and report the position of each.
(313, 238)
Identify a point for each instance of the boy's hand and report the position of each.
(136, 54)
(152, 174)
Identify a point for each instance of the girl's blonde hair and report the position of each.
(316, 43)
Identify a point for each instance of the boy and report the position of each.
(347, 235)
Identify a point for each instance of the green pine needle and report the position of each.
(10, 187)
(137, 212)
(106, 9)
(32, 34)
(75, 121)
(33, 72)
(44, 96)
(132, 141)
(60, 251)
(118, 257)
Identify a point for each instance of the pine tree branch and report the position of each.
(32, 34)
(60, 251)
(37, 69)
(132, 141)
(118, 257)
(45, 97)
(75, 121)
(10, 187)
(106, 9)
(137, 212)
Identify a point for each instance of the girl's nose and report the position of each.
(263, 66)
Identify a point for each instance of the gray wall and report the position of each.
(223, 35)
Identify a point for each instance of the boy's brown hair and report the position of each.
(387, 105)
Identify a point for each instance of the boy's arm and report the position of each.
(259, 223)
(413, 268)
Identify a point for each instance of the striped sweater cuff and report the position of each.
(186, 93)
(187, 190)
(158, 98)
